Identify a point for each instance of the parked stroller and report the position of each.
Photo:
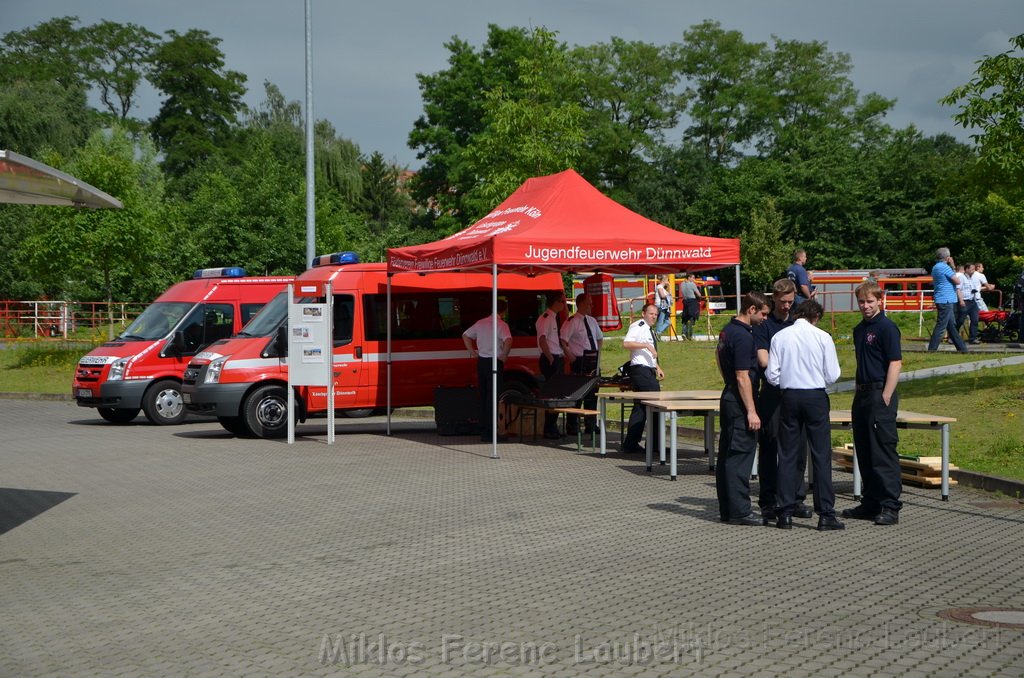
(1005, 324)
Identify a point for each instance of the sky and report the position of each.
(366, 54)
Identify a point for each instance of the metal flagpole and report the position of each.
(494, 361)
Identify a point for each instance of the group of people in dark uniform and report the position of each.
(776, 364)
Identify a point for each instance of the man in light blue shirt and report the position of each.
(946, 295)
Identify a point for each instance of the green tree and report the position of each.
(811, 94)
(203, 101)
(383, 199)
(724, 96)
(51, 50)
(765, 255)
(453, 114)
(91, 255)
(36, 115)
(627, 90)
(43, 101)
(530, 128)
(116, 59)
(991, 103)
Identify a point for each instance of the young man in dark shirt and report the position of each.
(768, 399)
(739, 421)
(876, 342)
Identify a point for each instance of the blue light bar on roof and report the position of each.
(336, 259)
(226, 272)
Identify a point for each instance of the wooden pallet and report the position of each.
(913, 472)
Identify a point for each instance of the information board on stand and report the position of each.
(310, 345)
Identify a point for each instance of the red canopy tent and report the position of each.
(561, 223)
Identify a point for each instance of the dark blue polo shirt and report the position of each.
(763, 334)
(736, 351)
(876, 343)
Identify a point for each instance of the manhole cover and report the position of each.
(1000, 617)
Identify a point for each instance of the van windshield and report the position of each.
(157, 321)
(270, 317)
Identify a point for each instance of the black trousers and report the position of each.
(483, 375)
(550, 368)
(583, 365)
(875, 438)
(768, 402)
(643, 378)
(807, 409)
(736, 447)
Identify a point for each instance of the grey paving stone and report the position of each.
(186, 550)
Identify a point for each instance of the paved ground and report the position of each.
(186, 551)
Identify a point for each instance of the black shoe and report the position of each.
(803, 511)
(768, 516)
(829, 523)
(887, 517)
(784, 522)
(860, 512)
(633, 449)
(749, 519)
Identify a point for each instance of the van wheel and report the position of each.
(357, 414)
(514, 390)
(234, 425)
(162, 403)
(266, 412)
(118, 415)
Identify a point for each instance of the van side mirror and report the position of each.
(281, 341)
(176, 344)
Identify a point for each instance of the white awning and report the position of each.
(27, 182)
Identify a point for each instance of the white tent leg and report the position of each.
(494, 361)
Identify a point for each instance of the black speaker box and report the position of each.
(457, 410)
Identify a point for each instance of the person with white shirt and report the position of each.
(645, 373)
(981, 284)
(968, 304)
(581, 339)
(482, 333)
(551, 358)
(802, 361)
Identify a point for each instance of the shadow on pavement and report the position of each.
(20, 506)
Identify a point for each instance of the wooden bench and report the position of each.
(531, 410)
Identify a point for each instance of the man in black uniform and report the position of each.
(739, 421)
(876, 342)
(768, 399)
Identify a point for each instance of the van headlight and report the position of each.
(213, 371)
(116, 372)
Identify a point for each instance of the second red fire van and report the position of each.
(244, 380)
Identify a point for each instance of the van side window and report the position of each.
(440, 315)
(206, 324)
(343, 307)
(247, 311)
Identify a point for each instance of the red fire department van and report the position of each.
(142, 368)
(243, 380)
